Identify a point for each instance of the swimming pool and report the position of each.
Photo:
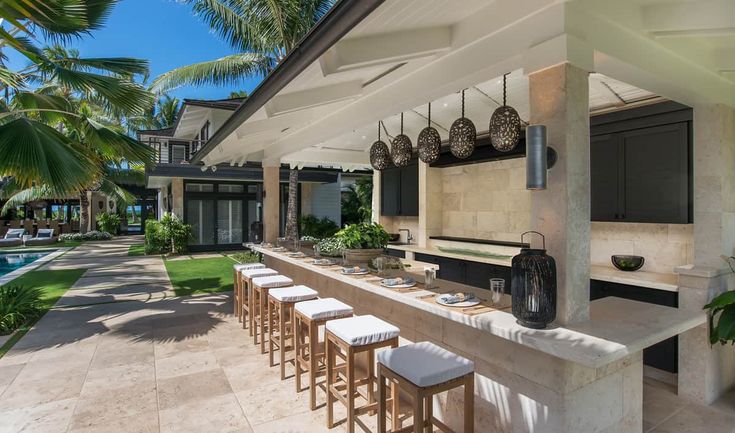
(12, 261)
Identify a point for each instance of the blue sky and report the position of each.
(164, 32)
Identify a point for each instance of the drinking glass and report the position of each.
(317, 251)
(380, 264)
(497, 288)
(429, 277)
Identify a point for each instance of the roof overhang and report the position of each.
(369, 61)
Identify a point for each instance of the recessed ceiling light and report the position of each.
(364, 137)
(446, 105)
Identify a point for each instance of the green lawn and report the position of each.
(54, 285)
(191, 276)
(136, 250)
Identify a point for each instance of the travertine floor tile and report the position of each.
(220, 414)
(49, 417)
(180, 390)
(100, 406)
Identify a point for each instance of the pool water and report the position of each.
(13, 261)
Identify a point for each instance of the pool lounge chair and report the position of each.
(13, 238)
(43, 237)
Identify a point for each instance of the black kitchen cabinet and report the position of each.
(664, 355)
(468, 272)
(640, 166)
(399, 190)
(395, 253)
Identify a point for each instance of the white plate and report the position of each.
(329, 263)
(440, 300)
(399, 286)
(355, 273)
(296, 255)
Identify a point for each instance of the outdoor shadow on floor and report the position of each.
(200, 285)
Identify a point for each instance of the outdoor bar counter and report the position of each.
(582, 378)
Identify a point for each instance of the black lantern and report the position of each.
(533, 286)
(401, 148)
(429, 142)
(462, 136)
(505, 125)
(379, 154)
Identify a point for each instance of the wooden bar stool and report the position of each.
(246, 293)
(281, 311)
(261, 318)
(308, 317)
(346, 338)
(237, 289)
(423, 370)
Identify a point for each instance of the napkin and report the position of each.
(456, 298)
(398, 281)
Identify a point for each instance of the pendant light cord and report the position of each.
(401, 123)
(463, 102)
(379, 122)
(429, 114)
(505, 90)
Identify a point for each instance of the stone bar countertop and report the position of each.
(651, 280)
(616, 328)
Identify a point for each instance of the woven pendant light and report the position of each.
(462, 136)
(401, 149)
(505, 125)
(429, 143)
(379, 154)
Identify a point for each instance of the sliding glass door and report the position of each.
(229, 222)
(200, 215)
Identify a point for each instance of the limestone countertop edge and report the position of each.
(650, 280)
(591, 343)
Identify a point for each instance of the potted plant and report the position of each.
(363, 242)
(721, 313)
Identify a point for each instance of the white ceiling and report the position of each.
(410, 52)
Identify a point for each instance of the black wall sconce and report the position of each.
(539, 157)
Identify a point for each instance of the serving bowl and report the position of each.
(628, 263)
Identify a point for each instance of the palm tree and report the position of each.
(65, 135)
(238, 94)
(261, 31)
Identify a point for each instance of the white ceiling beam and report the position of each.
(331, 156)
(693, 18)
(600, 87)
(725, 59)
(386, 48)
(289, 102)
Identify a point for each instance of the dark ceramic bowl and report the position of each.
(628, 263)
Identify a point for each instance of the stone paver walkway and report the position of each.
(159, 364)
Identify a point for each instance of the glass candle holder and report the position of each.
(497, 289)
(429, 277)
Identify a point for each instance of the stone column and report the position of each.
(271, 202)
(559, 99)
(376, 197)
(177, 197)
(706, 372)
(430, 203)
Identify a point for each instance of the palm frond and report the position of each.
(35, 153)
(49, 108)
(23, 196)
(114, 145)
(125, 176)
(9, 78)
(115, 192)
(58, 19)
(227, 70)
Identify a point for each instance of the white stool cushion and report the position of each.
(246, 266)
(262, 272)
(362, 330)
(272, 281)
(293, 294)
(425, 363)
(319, 309)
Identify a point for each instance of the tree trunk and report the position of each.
(83, 212)
(292, 223)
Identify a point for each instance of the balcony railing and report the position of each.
(175, 151)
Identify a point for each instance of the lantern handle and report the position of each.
(543, 238)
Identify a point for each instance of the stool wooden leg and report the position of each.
(469, 404)
(257, 317)
(271, 336)
(234, 296)
(395, 413)
(265, 318)
(313, 363)
(418, 413)
(331, 361)
(371, 378)
(350, 391)
(382, 402)
(282, 339)
(428, 413)
(251, 307)
(297, 348)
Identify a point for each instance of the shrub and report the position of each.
(108, 222)
(320, 228)
(247, 257)
(94, 235)
(167, 235)
(363, 235)
(18, 306)
(331, 247)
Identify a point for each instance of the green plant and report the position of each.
(357, 201)
(721, 314)
(94, 235)
(331, 247)
(247, 257)
(320, 228)
(108, 222)
(18, 306)
(363, 235)
(169, 235)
